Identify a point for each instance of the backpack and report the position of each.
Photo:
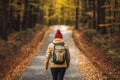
(59, 53)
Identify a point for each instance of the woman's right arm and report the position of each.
(67, 56)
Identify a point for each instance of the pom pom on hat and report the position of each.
(58, 34)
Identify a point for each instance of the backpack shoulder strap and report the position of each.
(62, 44)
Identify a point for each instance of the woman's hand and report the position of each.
(45, 69)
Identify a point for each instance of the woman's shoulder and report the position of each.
(51, 45)
(65, 45)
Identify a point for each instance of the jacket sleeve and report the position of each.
(47, 57)
(67, 56)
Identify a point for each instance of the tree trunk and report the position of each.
(24, 22)
(85, 5)
(101, 15)
(4, 19)
(41, 17)
(77, 14)
(94, 14)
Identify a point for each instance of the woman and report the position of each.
(58, 64)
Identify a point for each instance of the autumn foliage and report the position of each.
(18, 51)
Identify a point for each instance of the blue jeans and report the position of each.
(58, 73)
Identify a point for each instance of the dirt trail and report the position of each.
(80, 67)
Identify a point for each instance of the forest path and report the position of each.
(79, 65)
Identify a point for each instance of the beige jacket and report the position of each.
(49, 52)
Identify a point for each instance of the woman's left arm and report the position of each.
(47, 57)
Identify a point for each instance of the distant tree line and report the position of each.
(16, 15)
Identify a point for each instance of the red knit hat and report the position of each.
(58, 34)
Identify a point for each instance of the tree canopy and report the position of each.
(19, 15)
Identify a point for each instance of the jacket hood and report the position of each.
(58, 40)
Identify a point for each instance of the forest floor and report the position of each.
(19, 49)
(108, 68)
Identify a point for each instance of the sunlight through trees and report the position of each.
(16, 15)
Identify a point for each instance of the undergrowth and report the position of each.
(109, 44)
(10, 48)
(15, 41)
(103, 50)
